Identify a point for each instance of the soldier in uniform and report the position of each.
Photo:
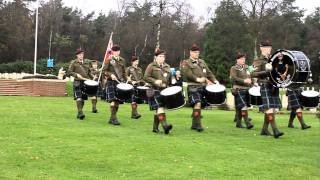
(296, 108)
(95, 73)
(80, 70)
(158, 75)
(197, 74)
(115, 72)
(269, 93)
(241, 82)
(135, 77)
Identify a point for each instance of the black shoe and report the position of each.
(239, 126)
(200, 129)
(265, 133)
(80, 116)
(167, 129)
(155, 130)
(250, 126)
(136, 116)
(303, 127)
(114, 122)
(278, 134)
(94, 111)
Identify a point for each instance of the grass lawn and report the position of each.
(40, 138)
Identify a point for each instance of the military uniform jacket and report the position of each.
(238, 74)
(193, 69)
(115, 66)
(83, 69)
(135, 73)
(155, 72)
(260, 70)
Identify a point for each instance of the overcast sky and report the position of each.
(199, 6)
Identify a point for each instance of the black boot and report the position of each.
(276, 132)
(239, 118)
(246, 119)
(265, 131)
(134, 111)
(80, 115)
(303, 124)
(291, 119)
(162, 119)
(94, 105)
(155, 124)
(196, 120)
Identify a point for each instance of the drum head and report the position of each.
(143, 87)
(171, 90)
(215, 88)
(255, 91)
(91, 83)
(310, 93)
(124, 86)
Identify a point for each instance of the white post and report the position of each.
(36, 41)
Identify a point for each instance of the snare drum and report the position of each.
(124, 92)
(310, 98)
(172, 97)
(215, 94)
(90, 87)
(141, 92)
(255, 96)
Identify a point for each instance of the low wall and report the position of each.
(45, 87)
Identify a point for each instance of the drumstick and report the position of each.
(128, 78)
(117, 81)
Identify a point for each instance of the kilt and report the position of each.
(241, 98)
(196, 94)
(293, 99)
(155, 101)
(270, 97)
(78, 93)
(111, 91)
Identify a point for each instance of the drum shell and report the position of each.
(90, 90)
(141, 93)
(310, 102)
(174, 101)
(255, 100)
(124, 95)
(214, 98)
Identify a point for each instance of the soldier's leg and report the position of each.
(134, 111)
(114, 108)
(239, 119)
(300, 118)
(155, 123)
(94, 104)
(244, 114)
(291, 118)
(80, 104)
(276, 132)
(196, 118)
(162, 119)
(265, 131)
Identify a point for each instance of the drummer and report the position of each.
(95, 73)
(80, 70)
(241, 81)
(296, 108)
(158, 75)
(269, 94)
(135, 77)
(197, 74)
(115, 72)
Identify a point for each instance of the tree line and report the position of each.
(235, 25)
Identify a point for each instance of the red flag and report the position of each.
(108, 51)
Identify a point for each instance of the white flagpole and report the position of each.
(36, 41)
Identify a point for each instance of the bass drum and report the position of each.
(172, 97)
(124, 92)
(295, 63)
(255, 96)
(215, 94)
(90, 87)
(309, 99)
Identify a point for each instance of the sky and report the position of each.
(199, 6)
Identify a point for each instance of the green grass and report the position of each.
(40, 138)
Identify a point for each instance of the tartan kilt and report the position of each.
(270, 97)
(196, 95)
(155, 101)
(111, 91)
(241, 98)
(78, 90)
(293, 99)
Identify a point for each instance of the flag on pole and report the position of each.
(108, 51)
